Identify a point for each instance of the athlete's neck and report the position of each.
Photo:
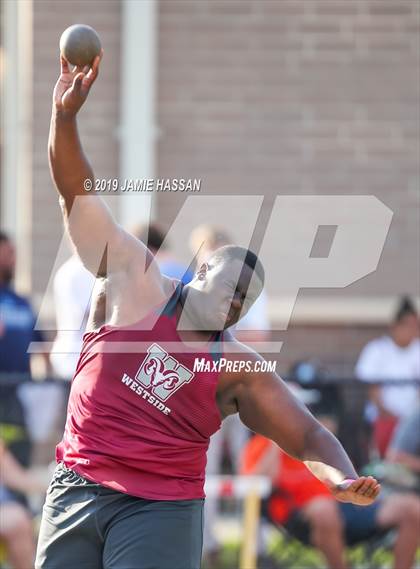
(188, 329)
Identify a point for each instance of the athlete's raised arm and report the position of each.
(89, 221)
(267, 406)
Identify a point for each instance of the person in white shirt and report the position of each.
(394, 357)
(73, 285)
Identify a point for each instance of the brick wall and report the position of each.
(336, 346)
(296, 97)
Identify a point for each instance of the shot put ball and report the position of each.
(80, 44)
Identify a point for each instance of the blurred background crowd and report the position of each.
(254, 98)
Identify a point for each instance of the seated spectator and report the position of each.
(16, 529)
(393, 357)
(306, 508)
(404, 448)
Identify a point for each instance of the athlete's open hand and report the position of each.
(362, 491)
(72, 87)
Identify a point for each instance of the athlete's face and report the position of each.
(223, 293)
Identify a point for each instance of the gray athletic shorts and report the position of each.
(87, 526)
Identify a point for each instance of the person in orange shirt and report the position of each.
(307, 509)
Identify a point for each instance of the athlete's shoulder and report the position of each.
(240, 360)
(239, 372)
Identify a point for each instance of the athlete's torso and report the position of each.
(139, 418)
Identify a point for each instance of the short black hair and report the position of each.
(248, 257)
(3, 236)
(406, 307)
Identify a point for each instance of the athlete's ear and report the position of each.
(202, 271)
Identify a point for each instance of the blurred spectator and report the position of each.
(16, 529)
(254, 327)
(311, 375)
(154, 237)
(404, 448)
(17, 322)
(19, 403)
(14, 477)
(393, 357)
(73, 286)
(17, 319)
(331, 400)
(305, 507)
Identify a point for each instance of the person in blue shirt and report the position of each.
(17, 319)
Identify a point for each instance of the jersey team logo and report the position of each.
(162, 373)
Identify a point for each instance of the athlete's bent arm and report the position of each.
(266, 406)
(90, 224)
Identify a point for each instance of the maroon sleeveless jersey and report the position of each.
(139, 418)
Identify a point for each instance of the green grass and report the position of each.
(292, 554)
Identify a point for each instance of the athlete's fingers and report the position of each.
(357, 484)
(367, 485)
(371, 481)
(93, 71)
(64, 66)
(374, 493)
(77, 82)
(369, 492)
(82, 69)
(376, 487)
(363, 489)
